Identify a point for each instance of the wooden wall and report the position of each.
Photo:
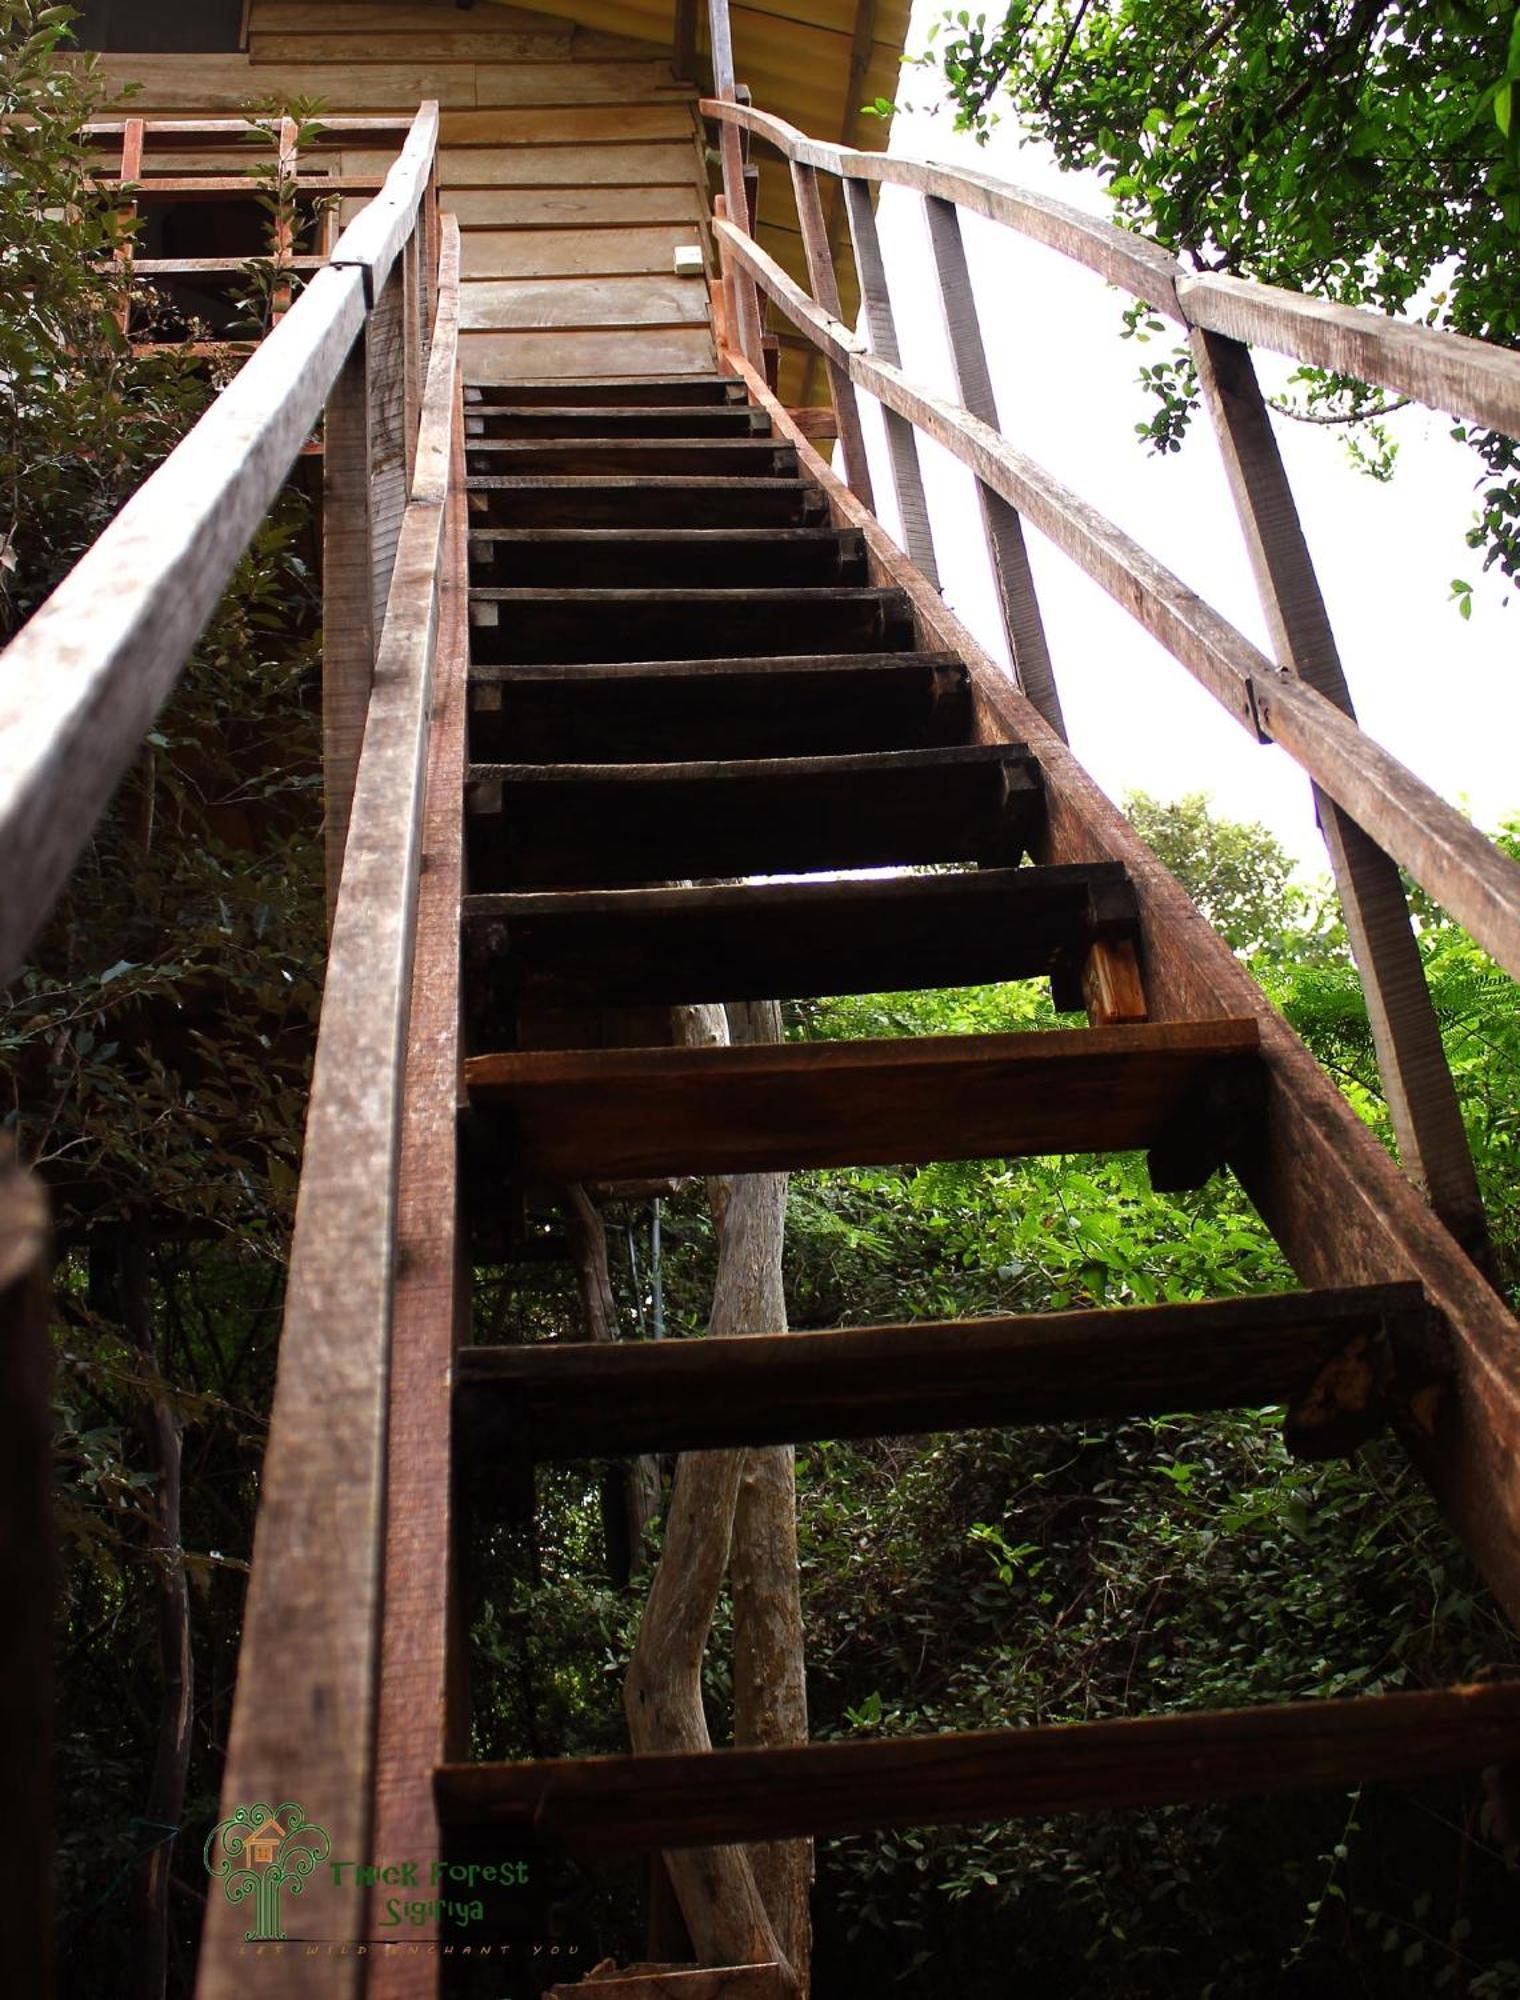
(572, 159)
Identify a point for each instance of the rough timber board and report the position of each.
(567, 253)
(505, 357)
(572, 208)
(229, 84)
(611, 162)
(529, 304)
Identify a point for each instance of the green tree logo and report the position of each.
(261, 1851)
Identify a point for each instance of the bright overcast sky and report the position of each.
(1441, 693)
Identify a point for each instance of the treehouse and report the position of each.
(634, 712)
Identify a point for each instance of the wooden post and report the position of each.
(131, 171)
(683, 65)
(26, 1584)
(746, 299)
(729, 274)
(1422, 1100)
(1000, 523)
(288, 166)
(881, 333)
(825, 287)
(364, 481)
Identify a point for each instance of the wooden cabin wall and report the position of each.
(570, 155)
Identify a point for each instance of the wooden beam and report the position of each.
(820, 266)
(304, 1718)
(583, 1400)
(744, 321)
(608, 1805)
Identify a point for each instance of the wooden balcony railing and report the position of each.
(1377, 815)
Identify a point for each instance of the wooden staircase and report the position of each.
(685, 669)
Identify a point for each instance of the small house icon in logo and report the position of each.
(261, 1851)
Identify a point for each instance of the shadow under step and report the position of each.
(531, 626)
(788, 940)
(634, 458)
(788, 705)
(585, 501)
(649, 558)
(608, 1805)
(609, 420)
(1187, 1091)
(1342, 1361)
(613, 825)
(614, 390)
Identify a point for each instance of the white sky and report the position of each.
(1441, 693)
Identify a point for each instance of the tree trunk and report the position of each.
(632, 1502)
(166, 1792)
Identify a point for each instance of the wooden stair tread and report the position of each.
(531, 624)
(777, 705)
(741, 457)
(625, 1114)
(606, 825)
(783, 940)
(584, 1399)
(690, 500)
(649, 420)
(653, 557)
(604, 1805)
(615, 389)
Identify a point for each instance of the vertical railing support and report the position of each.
(746, 326)
(881, 333)
(1000, 522)
(824, 284)
(127, 213)
(1422, 1100)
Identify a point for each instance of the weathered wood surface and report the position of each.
(633, 457)
(619, 1114)
(757, 940)
(28, 1581)
(570, 825)
(677, 205)
(1338, 1205)
(602, 1805)
(531, 304)
(228, 82)
(509, 356)
(420, 1719)
(545, 626)
(563, 1400)
(818, 251)
(589, 502)
(573, 253)
(303, 1721)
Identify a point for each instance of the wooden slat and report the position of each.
(303, 1720)
(1335, 1201)
(607, 420)
(702, 457)
(582, 1400)
(563, 253)
(528, 210)
(563, 825)
(601, 1805)
(512, 624)
(674, 502)
(818, 250)
(509, 356)
(623, 1114)
(373, 241)
(617, 389)
(755, 940)
(614, 161)
(744, 319)
(532, 304)
(216, 83)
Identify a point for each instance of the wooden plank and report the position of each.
(618, 389)
(1329, 1192)
(600, 1805)
(268, 17)
(576, 1400)
(563, 253)
(374, 239)
(599, 502)
(348, 621)
(631, 457)
(743, 309)
(564, 825)
(825, 288)
(505, 357)
(174, 83)
(420, 1717)
(303, 1720)
(577, 83)
(28, 1579)
(613, 162)
(608, 419)
(541, 208)
(792, 706)
(512, 623)
(334, 43)
(1001, 527)
(570, 125)
(85, 677)
(531, 304)
(621, 1114)
(1421, 1097)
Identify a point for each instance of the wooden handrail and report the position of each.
(81, 683)
(1374, 811)
(308, 1667)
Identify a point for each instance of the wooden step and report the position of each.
(1341, 1361)
(524, 625)
(604, 420)
(633, 458)
(784, 940)
(580, 501)
(626, 1114)
(617, 391)
(814, 705)
(542, 826)
(651, 558)
(606, 1805)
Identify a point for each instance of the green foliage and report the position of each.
(1363, 150)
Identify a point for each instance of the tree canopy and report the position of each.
(1365, 150)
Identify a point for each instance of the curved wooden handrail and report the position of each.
(1448, 371)
(81, 683)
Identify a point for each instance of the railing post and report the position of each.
(1000, 522)
(746, 300)
(881, 333)
(366, 446)
(825, 288)
(1422, 1100)
(127, 213)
